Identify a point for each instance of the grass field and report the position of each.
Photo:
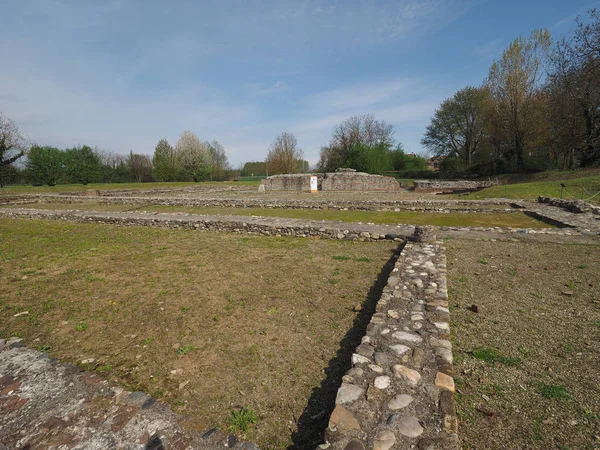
(526, 363)
(485, 219)
(208, 322)
(28, 189)
(531, 190)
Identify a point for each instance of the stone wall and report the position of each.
(287, 182)
(337, 181)
(358, 181)
(575, 206)
(489, 205)
(400, 392)
(450, 185)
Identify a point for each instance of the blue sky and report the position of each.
(121, 74)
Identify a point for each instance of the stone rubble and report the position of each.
(48, 404)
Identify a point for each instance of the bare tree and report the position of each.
(355, 131)
(12, 145)
(218, 162)
(140, 167)
(284, 154)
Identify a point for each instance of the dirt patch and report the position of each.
(208, 322)
(526, 324)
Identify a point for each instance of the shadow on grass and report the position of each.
(314, 419)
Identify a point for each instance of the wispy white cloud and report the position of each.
(358, 95)
(489, 49)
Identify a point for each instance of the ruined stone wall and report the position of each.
(400, 392)
(288, 182)
(450, 185)
(575, 206)
(358, 181)
(338, 181)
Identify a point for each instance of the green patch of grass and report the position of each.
(185, 349)
(272, 311)
(147, 341)
(492, 355)
(524, 351)
(582, 266)
(239, 421)
(333, 281)
(104, 368)
(482, 261)
(550, 186)
(597, 323)
(557, 392)
(92, 278)
(43, 348)
(571, 285)
(82, 326)
(341, 257)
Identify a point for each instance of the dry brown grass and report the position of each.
(206, 321)
(527, 362)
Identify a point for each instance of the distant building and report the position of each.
(434, 162)
(411, 155)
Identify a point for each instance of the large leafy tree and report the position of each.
(12, 146)
(82, 165)
(458, 126)
(164, 162)
(45, 165)
(514, 82)
(192, 156)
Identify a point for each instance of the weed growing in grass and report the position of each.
(82, 326)
(597, 323)
(185, 349)
(492, 355)
(557, 392)
(513, 272)
(92, 278)
(341, 258)
(568, 347)
(43, 348)
(482, 261)
(462, 279)
(571, 285)
(105, 368)
(272, 311)
(147, 341)
(240, 421)
(185, 309)
(524, 351)
(582, 266)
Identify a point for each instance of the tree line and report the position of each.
(190, 160)
(538, 109)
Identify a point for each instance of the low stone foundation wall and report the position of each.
(265, 226)
(575, 206)
(450, 185)
(489, 205)
(400, 392)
